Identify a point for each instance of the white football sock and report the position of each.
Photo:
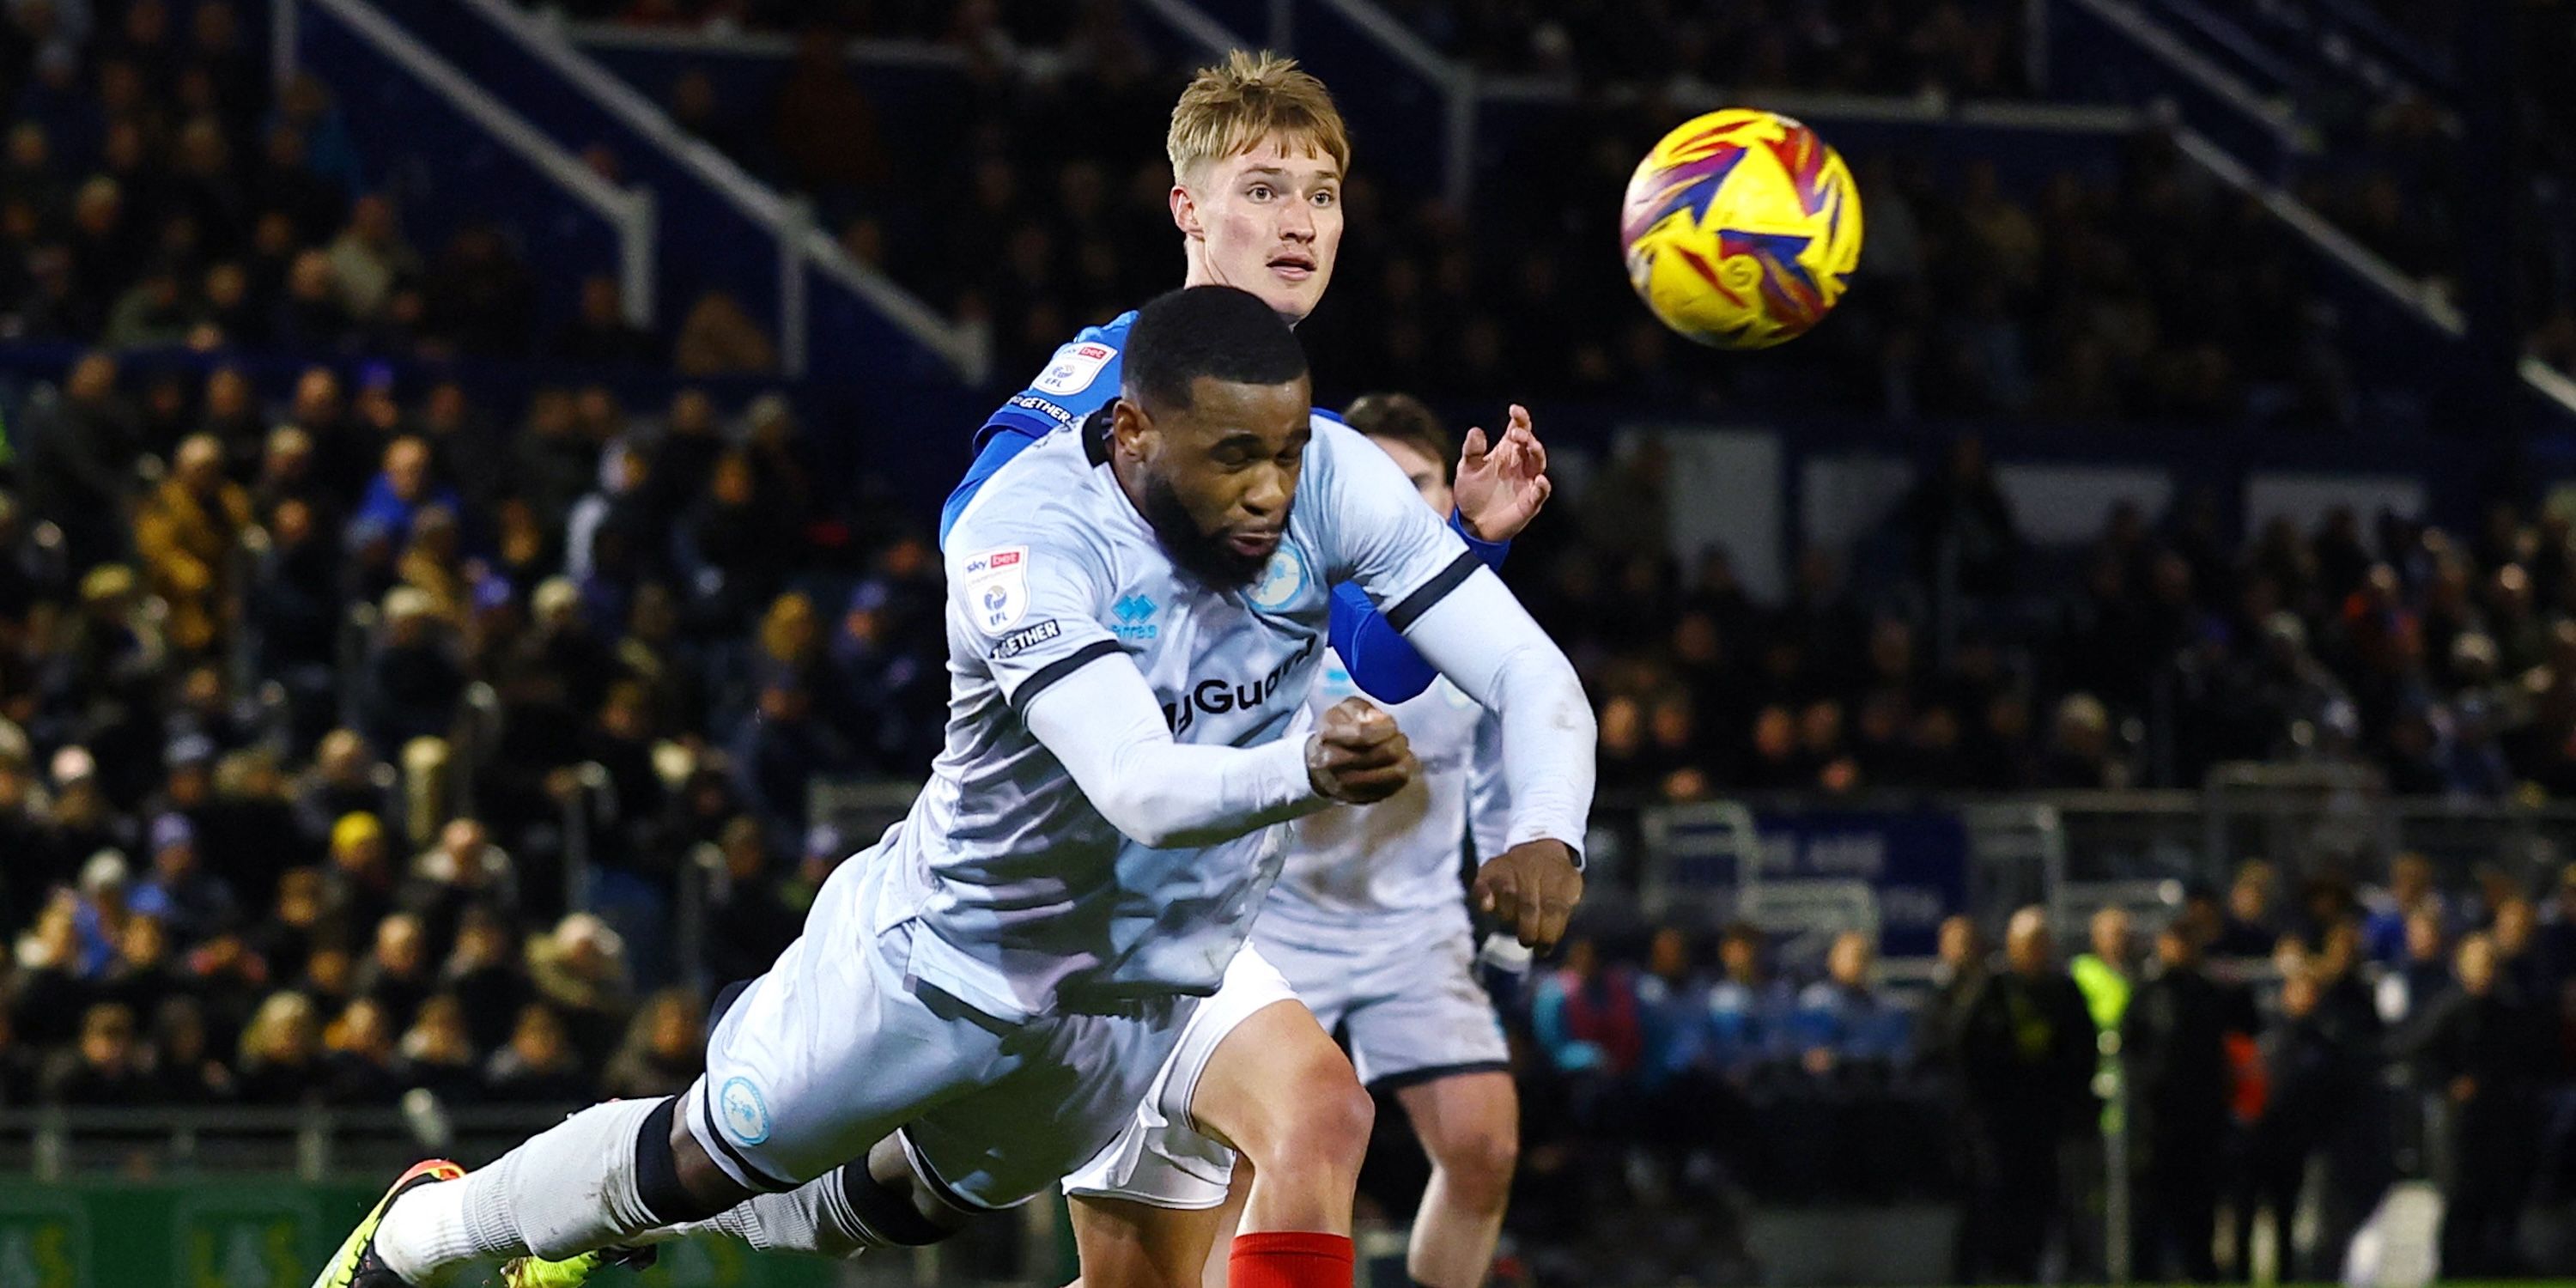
(568, 1189)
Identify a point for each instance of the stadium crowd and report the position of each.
(2090, 295)
(2265, 1044)
(297, 694)
(1959, 655)
(2085, 298)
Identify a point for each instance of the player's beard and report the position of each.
(1205, 559)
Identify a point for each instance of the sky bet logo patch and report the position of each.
(997, 588)
(1026, 638)
(1074, 368)
(1135, 614)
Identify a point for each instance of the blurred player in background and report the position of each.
(1368, 926)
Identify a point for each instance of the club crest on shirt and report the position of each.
(996, 589)
(1281, 582)
(744, 1110)
(1074, 367)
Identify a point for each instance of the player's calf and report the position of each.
(879, 1201)
(1469, 1124)
(1304, 1146)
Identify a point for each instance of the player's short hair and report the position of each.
(1402, 418)
(1231, 107)
(1218, 332)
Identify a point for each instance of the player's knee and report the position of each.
(674, 1175)
(1327, 1131)
(1478, 1163)
(895, 1203)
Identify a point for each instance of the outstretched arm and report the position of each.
(1497, 492)
(1102, 723)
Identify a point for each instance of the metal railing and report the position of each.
(800, 243)
(2074, 852)
(629, 210)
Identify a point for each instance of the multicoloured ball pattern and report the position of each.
(1741, 229)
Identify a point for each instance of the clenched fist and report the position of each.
(1357, 755)
(1531, 889)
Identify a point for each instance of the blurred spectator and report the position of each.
(777, 752)
(2303, 1081)
(413, 681)
(2514, 925)
(2026, 1056)
(99, 915)
(398, 974)
(1584, 1016)
(280, 1061)
(600, 335)
(400, 491)
(484, 974)
(194, 903)
(463, 870)
(141, 973)
(289, 931)
(2250, 929)
(717, 338)
(2410, 889)
(825, 127)
(664, 1050)
(1846, 1023)
(2107, 975)
(186, 536)
(2422, 977)
(437, 1053)
(77, 454)
(359, 886)
(346, 778)
(2173, 1052)
(2485, 1050)
(107, 1067)
(581, 972)
(358, 1060)
(479, 295)
(184, 1068)
(539, 1065)
(369, 257)
(617, 513)
(1964, 539)
(749, 920)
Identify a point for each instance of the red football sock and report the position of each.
(1289, 1259)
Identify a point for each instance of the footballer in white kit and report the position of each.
(978, 1003)
(1368, 926)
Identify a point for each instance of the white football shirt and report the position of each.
(1398, 858)
(1030, 897)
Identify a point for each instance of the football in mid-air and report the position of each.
(1741, 229)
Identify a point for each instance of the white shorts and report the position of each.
(837, 1047)
(1411, 1010)
(1161, 1157)
(1411, 1016)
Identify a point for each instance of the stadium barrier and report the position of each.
(255, 1198)
(235, 1233)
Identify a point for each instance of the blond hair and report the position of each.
(1230, 109)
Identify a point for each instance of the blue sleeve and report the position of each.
(1376, 654)
(996, 451)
